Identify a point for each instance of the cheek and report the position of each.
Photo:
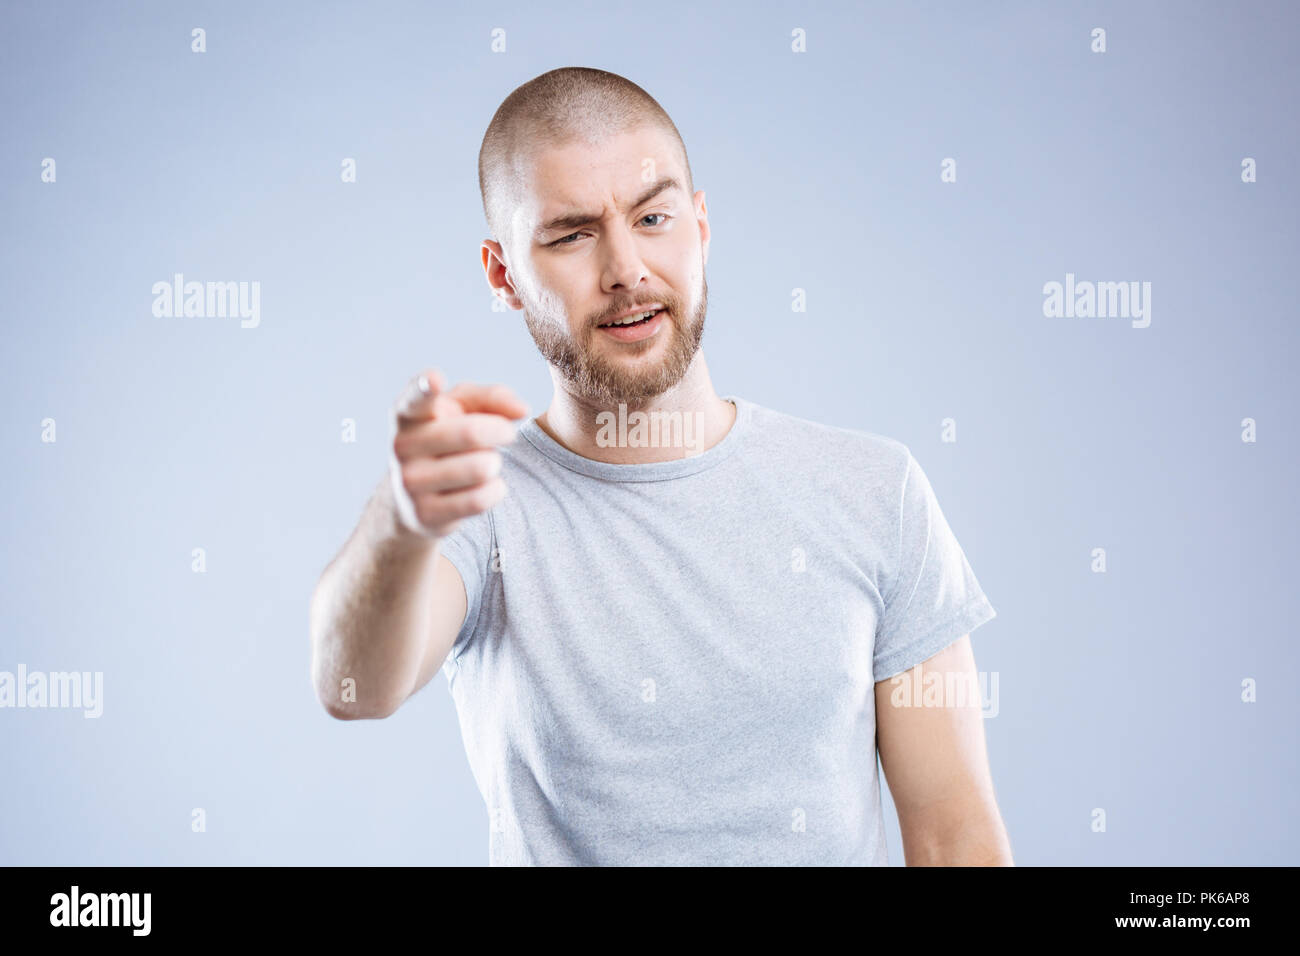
(556, 306)
(572, 291)
(687, 271)
(690, 256)
(670, 266)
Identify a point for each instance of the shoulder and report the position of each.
(836, 450)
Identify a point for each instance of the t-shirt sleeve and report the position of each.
(469, 548)
(933, 597)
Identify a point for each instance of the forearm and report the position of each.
(370, 614)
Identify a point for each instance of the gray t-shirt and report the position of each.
(674, 663)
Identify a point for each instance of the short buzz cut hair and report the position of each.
(570, 104)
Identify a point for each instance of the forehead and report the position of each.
(594, 177)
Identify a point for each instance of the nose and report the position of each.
(624, 269)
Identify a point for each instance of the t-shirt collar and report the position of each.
(647, 471)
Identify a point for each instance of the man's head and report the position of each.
(588, 192)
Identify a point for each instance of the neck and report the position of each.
(602, 431)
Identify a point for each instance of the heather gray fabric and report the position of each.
(673, 663)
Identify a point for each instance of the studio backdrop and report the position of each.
(1048, 246)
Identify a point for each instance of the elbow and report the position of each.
(352, 712)
(342, 707)
(339, 698)
(337, 693)
(975, 836)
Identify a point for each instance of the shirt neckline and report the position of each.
(644, 471)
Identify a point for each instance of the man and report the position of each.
(668, 619)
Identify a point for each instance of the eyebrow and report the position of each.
(575, 220)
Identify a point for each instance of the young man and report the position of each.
(671, 641)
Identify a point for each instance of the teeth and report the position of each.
(633, 318)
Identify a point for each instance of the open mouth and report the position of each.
(632, 321)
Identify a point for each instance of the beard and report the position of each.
(599, 380)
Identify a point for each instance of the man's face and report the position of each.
(602, 230)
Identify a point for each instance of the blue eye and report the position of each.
(564, 240)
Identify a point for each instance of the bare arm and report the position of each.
(385, 614)
(387, 609)
(936, 764)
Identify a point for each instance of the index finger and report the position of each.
(417, 399)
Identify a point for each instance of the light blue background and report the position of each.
(821, 170)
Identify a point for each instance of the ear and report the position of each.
(498, 274)
(702, 217)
